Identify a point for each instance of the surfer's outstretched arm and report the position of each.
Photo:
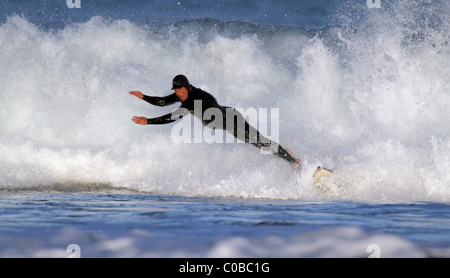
(164, 119)
(158, 101)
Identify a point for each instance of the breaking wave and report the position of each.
(369, 101)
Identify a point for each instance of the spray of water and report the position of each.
(370, 101)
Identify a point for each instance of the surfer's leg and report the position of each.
(243, 131)
(284, 154)
(254, 137)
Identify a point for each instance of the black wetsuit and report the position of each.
(199, 99)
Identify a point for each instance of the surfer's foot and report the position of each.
(297, 164)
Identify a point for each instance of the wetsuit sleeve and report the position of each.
(161, 101)
(169, 118)
(165, 119)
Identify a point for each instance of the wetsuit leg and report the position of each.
(243, 131)
(269, 145)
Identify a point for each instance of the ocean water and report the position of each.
(362, 90)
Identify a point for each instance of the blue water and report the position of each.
(361, 90)
(56, 14)
(143, 225)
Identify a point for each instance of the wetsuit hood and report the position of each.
(180, 81)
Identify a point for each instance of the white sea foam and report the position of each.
(371, 104)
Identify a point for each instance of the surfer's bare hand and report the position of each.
(137, 94)
(139, 120)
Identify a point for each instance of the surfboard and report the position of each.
(321, 173)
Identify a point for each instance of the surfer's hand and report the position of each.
(139, 120)
(137, 94)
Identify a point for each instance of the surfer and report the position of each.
(190, 97)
